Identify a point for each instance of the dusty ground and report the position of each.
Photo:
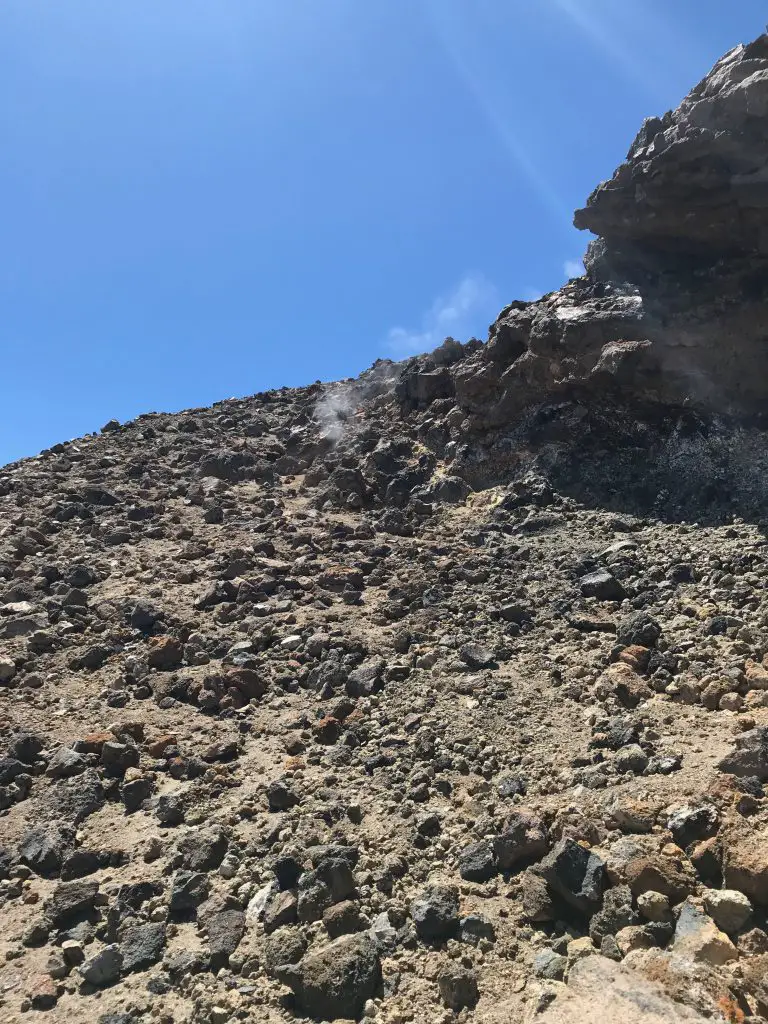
(408, 773)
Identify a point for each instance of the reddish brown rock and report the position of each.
(326, 730)
(246, 681)
(43, 992)
(158, 746)
(627, 686)
(164, 652)
(636, 657)
(93, 742)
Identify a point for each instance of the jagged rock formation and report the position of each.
(673, 308)
(667, 334)
(420, 695)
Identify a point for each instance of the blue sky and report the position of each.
(204, 199)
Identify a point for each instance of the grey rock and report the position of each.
(134, 895)
(70, 901)
(26, 747)
(383, 932)
(575, 874)
(475, 927)
(631, 759)
(616, 913)
(117, 758)
(343, 919)
(750, 757)
(458, 987)
(435, 913)
(184, 962)
(79, 576)
(549, 965)
(170, 809)
(366, 679)
(10, 769)
(512, 785)
(7, 671)
(523, 839)
(136, 792)
(697, 937)
(537, 900)
(476, 655)
(288, 869)
(333, 851)
(638, 628)
(73, 800)
(728, 908)
(282, 908)
(609, 948)
(82, 862)
(203, 849)
(37, 934)
(225, 930)
(515, 612)
(22, 626)
(280, 796)
(690, 823)
(142, 945)
(603, 585)
(664, 764)
(66, 763)
(285, 946)
(314, 897)
(449, 490)
(72, 952)
(336, 874)
(477, 862)
(104, 968)
(188, 891)
(43, 849)
(144, 616)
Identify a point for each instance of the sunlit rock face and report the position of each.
(673, 305)
(685, 219)
(695, 181)
(662, 345)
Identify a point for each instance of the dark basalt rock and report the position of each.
(574, 874)
(435, 913)
(337, 980)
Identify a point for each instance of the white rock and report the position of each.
(729, 908)
(255, 908)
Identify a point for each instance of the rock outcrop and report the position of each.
(673, 305)
(661, 346)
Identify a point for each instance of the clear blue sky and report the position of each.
(206, 198)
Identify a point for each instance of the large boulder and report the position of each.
(338, 980)
(749, 756)
(745, 864)
(575, 874)
(600, 990)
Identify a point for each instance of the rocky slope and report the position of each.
(439, 694)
